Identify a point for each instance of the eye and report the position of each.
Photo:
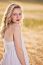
(14, 14)
(20, 14)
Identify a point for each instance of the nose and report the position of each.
(17, 15)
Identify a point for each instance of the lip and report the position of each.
(18, 20)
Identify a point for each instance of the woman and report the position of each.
(16, 53)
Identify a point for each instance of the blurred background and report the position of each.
(32, 27)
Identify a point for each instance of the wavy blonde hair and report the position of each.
(6, 21)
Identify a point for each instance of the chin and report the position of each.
(18, 22)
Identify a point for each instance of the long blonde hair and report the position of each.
(7, 17)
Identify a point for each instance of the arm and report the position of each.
(18, 45)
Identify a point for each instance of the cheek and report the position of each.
(21, 17)
(13, 17)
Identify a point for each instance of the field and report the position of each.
(32, 30)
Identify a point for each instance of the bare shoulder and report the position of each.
(16, 31)
(16, 27)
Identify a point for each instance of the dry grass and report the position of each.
(33, 36)
(34, 44)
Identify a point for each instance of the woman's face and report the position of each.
(16, 15)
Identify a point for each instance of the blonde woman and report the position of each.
(16, 53)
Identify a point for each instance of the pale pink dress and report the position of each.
(11, 56)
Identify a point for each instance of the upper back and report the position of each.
(9, 33)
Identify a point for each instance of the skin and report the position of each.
(14, 30)
(16, 15)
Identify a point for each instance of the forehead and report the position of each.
(17, 10)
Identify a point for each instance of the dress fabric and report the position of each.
(11, 56)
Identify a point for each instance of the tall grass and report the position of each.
(33, 11)
(32, 22)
